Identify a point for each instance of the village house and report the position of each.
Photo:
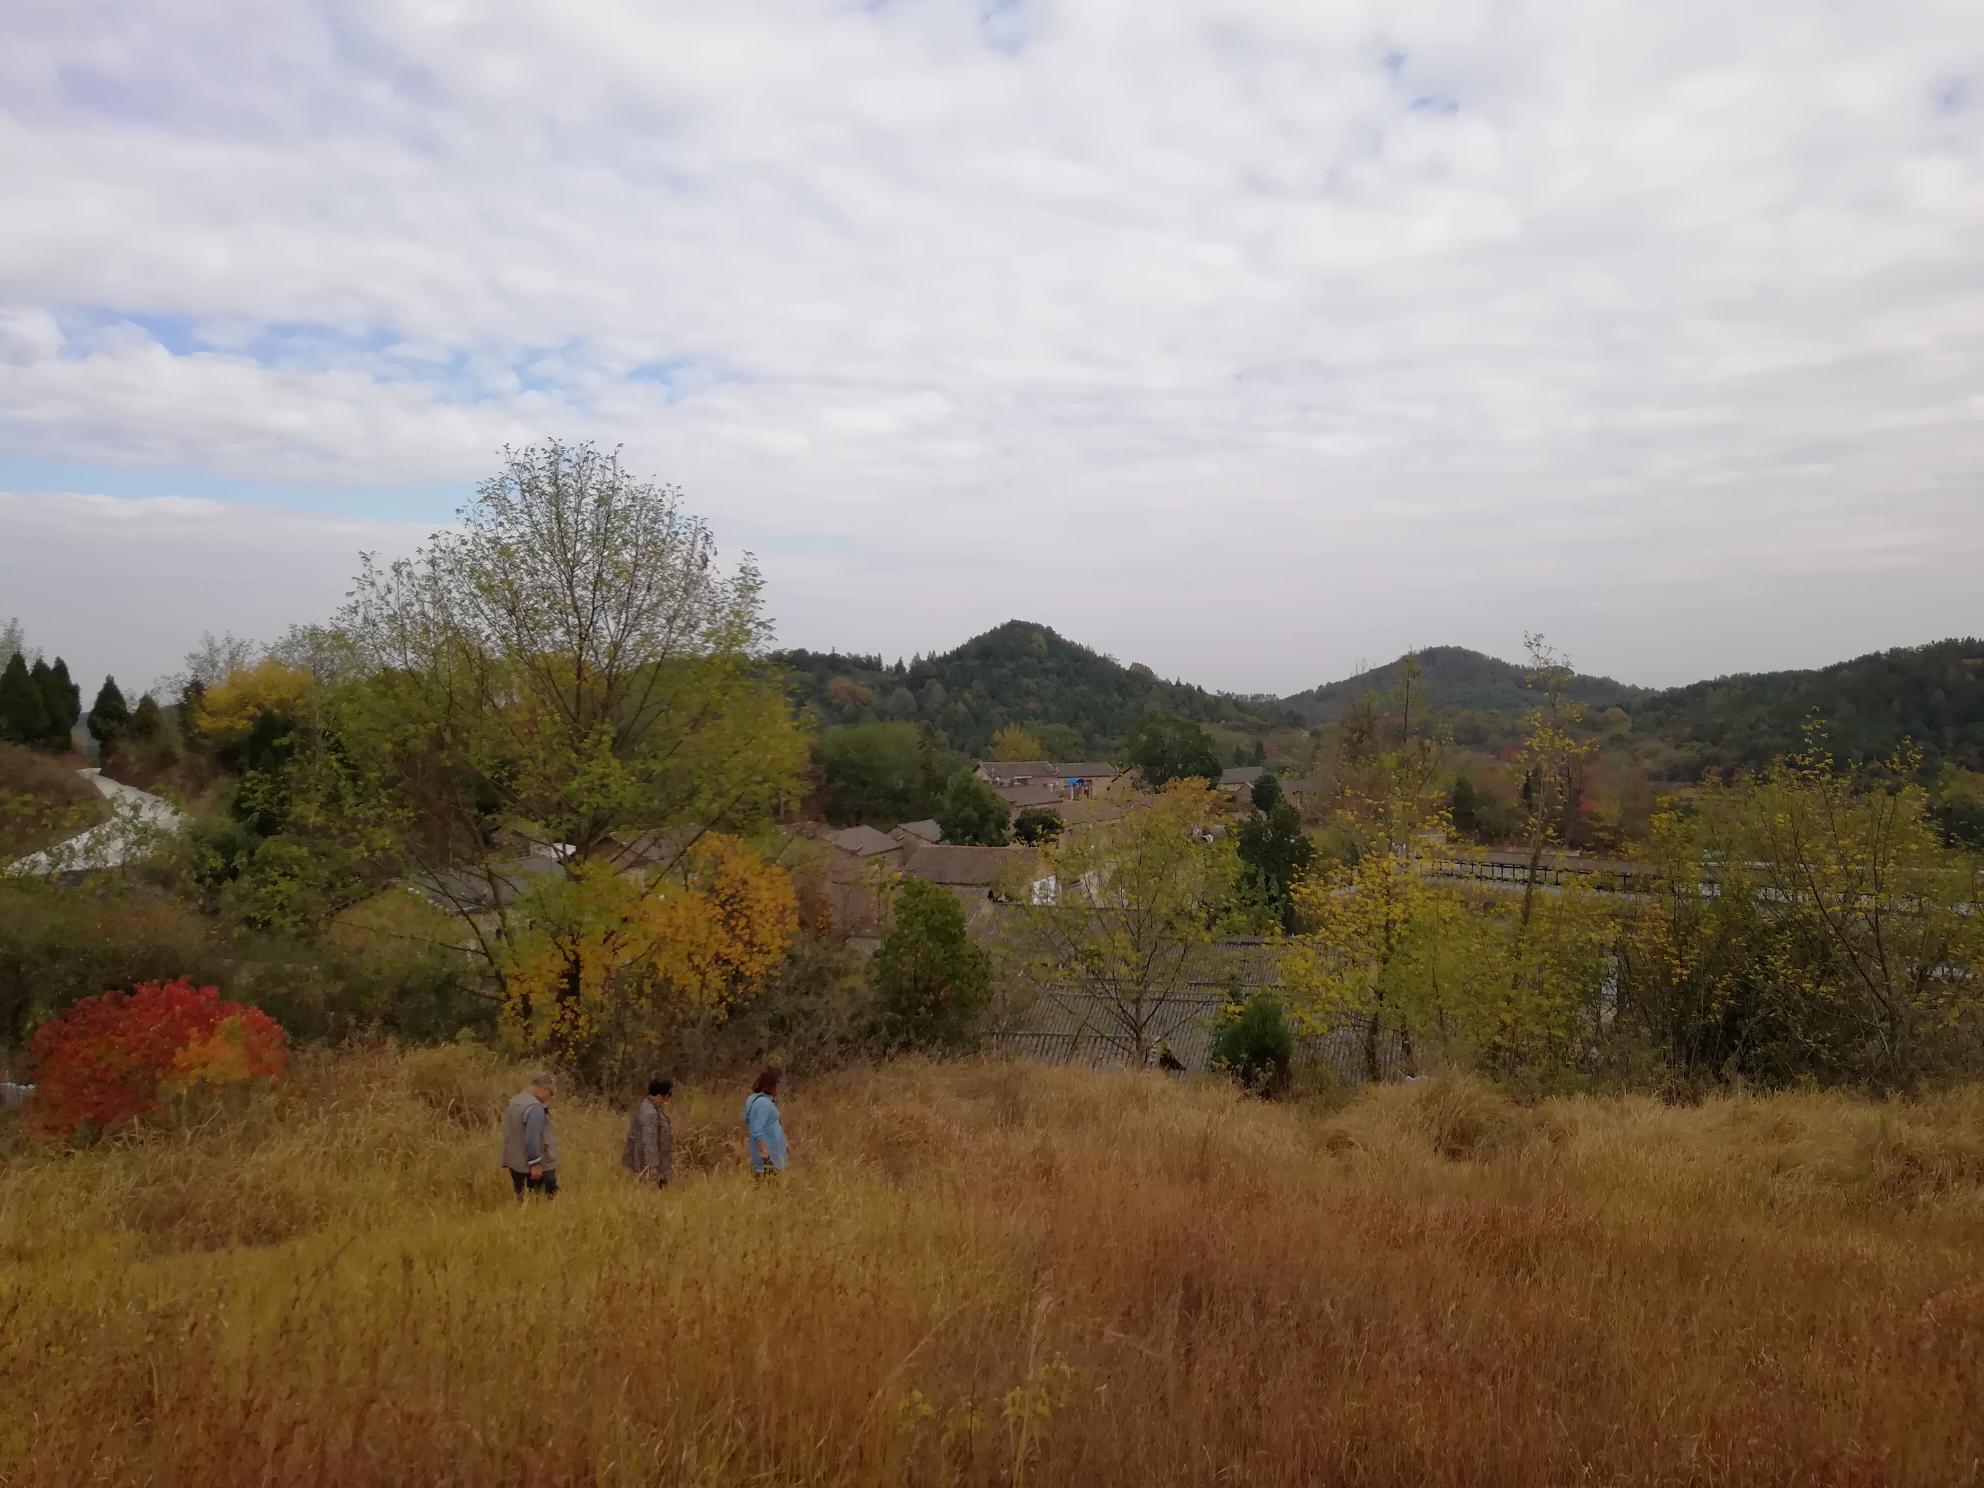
(1240, 779)
(1075, 780)
(975, 876)
(1033, 797)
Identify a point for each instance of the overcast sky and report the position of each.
(1248, 339)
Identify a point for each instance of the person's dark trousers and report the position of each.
(523, 1183)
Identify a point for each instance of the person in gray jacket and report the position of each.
(650, 1151)
(530, 1150)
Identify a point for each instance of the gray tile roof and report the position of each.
(469, 888)
(1086, 770)
(927, 831)
(950, 863)
(1067, 1025)
(1242, 774)
(863, 842)
(1020, 797)
(1007, 772)
(1048, 770)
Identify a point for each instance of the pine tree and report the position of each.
(147, 719)
(23, 714)
(72, 696)
(1464, 806)
(54, 706)
(109, 715)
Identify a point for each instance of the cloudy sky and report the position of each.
(1246, 339)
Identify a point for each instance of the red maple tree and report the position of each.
(120, 1056)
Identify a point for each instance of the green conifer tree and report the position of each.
(23, 714)
(110, 716)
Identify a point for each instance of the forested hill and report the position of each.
(1017, 673)
(1454, 677)
(1932, 695)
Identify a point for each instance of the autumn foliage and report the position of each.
(118, 1057)
(606, 952)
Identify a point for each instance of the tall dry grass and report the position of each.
(1004, 1274)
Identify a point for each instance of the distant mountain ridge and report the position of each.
(1026, 673)
(1931, 696)
(1019, 672)
(1454, 677)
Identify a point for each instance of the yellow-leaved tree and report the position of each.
(1125, 917)
(1876, 964)
(1015, 743)
(1375, 950)
(1376, 941)
(1387, 949)
(228, 709)
(603, 961)
(565, 709)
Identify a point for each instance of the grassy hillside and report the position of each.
(1453, 677)
(42, 801)
(1017, 673)
(1004, 1274)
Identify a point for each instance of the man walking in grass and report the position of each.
(530, 1151)
(650, 1151)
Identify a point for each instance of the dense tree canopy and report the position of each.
(23, 711)
(1274, 854)
(1018, 674)
(569, 667)
(971, 813)
(878, 773)
(1164, 749)
(931, 980)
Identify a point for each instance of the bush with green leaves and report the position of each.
(932, 982)
(972, 814)
(1037, 824)
(1256, 1046)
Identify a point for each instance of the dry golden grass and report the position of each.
(988, 1274)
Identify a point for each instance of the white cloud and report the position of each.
(126, 585)
(1244, 338)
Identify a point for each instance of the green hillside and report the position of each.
(1017, 673)
(1933, 695)
(1453, 677)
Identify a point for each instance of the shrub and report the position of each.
(1256, 1046)
(63, 942)
(117, 1057)
(818, 1013)
(932, 981)
(1035, 825)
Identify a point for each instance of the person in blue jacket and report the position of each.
(764, 1136)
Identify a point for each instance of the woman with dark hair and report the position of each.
(764, 1136)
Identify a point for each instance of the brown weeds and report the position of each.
(1004, 1274)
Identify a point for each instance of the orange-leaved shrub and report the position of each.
(114, 1058)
